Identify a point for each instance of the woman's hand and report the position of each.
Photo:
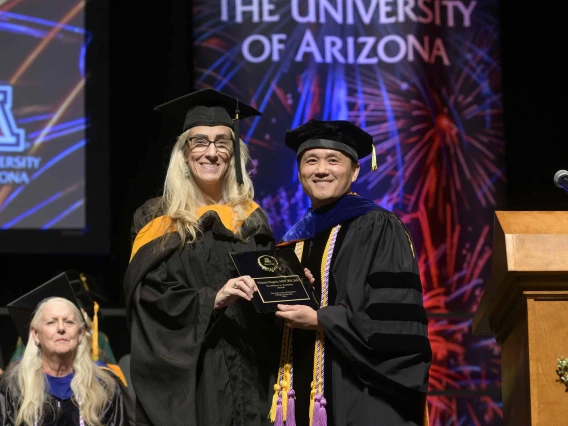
(309, 276)
(241, 287)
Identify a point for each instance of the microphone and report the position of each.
(561, 179)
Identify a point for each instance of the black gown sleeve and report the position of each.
(379, 325)
(7, 410)
(120, 410)
(115, 413)
(169, 328)
(8, 405)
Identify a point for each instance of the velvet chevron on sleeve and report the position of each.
(377, 351)
(379, 322)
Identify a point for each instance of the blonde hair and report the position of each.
(92, 387)
(182, 196)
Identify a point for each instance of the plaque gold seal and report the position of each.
(267, 263)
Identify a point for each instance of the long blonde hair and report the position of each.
(92, 387)
(182, 196)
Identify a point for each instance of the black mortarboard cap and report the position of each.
(340, 135)
(86, 290)
(22, 309)
(209, 107)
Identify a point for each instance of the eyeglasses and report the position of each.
(199, 144)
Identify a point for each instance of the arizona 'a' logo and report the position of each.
(12, 139)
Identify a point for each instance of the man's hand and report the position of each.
(299, 316)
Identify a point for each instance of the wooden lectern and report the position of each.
(525, 306)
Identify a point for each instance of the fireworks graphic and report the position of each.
(438, 132)
(437, 129)
(443, 139)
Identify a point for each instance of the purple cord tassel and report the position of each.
(316, 419)
(279, 421)
(291, 413)
(322, 413)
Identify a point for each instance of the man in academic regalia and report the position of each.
(363, 357)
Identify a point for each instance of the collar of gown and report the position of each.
(350, 206)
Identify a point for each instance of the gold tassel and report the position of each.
(272, 414)
(95, 333)
(284, 378)
(312, 400)
(426, 420)
(285, 385)
(284, 351)
(374, 159)
(84, 281)
(317, 382)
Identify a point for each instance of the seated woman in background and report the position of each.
(89, 295)
(56, 382)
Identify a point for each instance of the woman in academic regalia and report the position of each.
(200, 353)
(56, 383)
(89, 295)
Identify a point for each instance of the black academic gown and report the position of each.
(62, 412)
(378, 352)
(191, 365)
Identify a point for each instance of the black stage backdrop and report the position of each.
(151, 61)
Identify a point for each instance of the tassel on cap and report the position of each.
(95, 333)
(374, 159)
(237, 146)
(209, 107)
(426, 419)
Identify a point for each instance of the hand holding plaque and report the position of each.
(279, 277)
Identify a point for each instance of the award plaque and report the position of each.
(279, 278)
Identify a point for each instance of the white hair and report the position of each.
(91, 385)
